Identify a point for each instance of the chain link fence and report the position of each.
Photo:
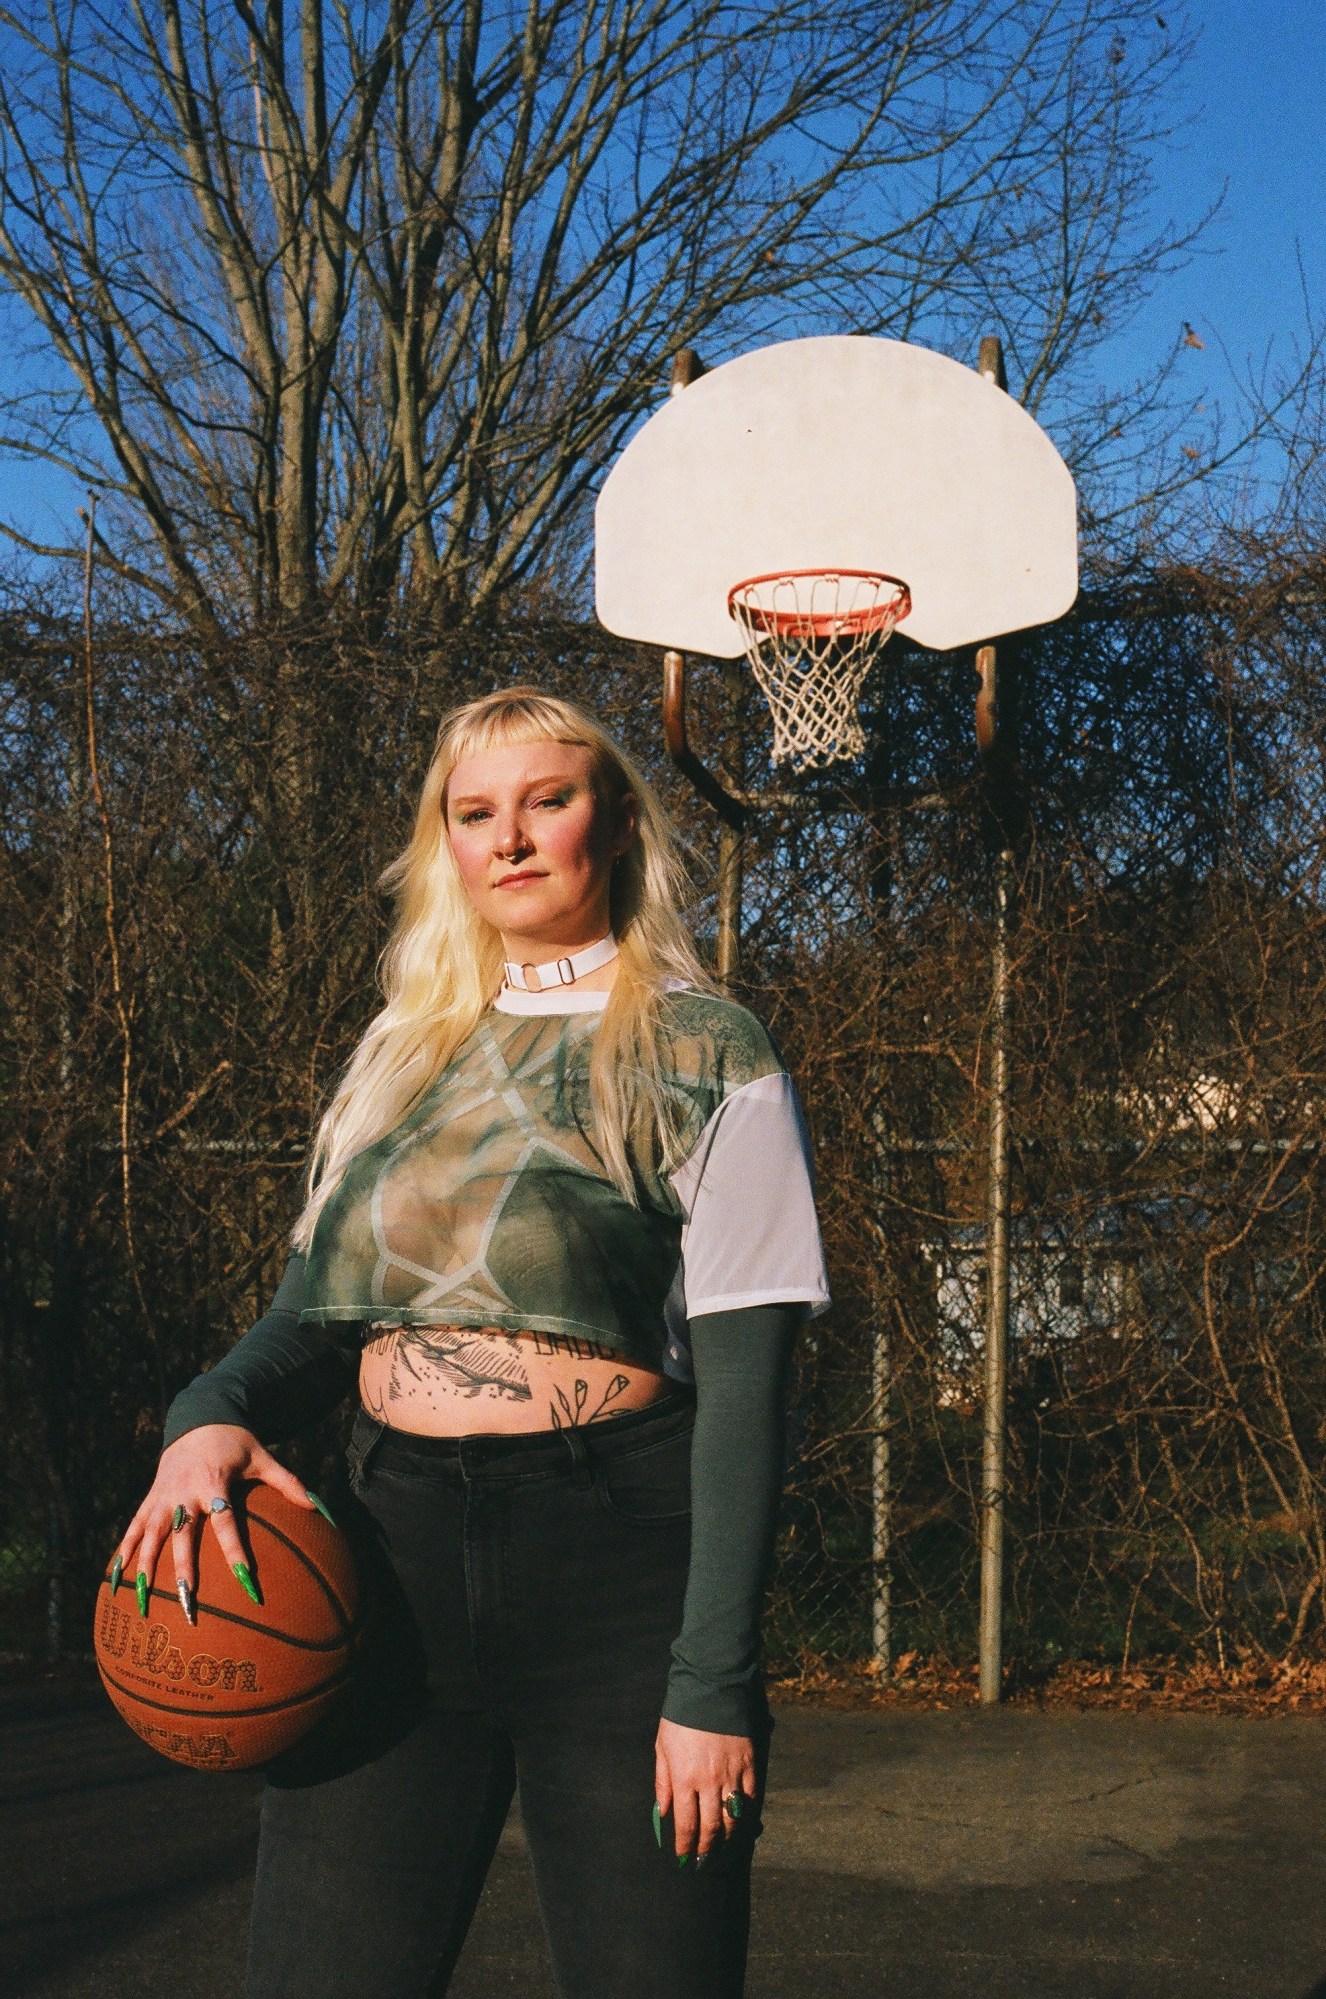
(166, 1053)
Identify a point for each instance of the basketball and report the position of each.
(247, 1680)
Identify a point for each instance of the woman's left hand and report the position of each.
(693, 1772)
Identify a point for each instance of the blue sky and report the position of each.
(1253, 90)
(1257, 83)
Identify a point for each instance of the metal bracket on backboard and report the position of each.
(687, 367)
(730, 810)
(987, 701)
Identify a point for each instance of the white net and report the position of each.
(811, 638)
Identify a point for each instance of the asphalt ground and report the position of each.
(908, 1855)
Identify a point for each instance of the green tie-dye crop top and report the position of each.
(490, 1206)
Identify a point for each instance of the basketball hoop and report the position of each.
(811, 637)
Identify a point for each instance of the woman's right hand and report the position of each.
(198, 1468)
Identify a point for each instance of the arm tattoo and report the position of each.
(567, 1418)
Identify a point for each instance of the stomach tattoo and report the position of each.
(446, 1381)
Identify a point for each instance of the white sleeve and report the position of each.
(750, 1236)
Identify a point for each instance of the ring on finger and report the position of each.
(180, 1519)
(219, 1506)
(732, 1804)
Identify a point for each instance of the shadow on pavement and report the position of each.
(1019, 1855)
(108, 1844)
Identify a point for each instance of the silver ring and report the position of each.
(219, 1506)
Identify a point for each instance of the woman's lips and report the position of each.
(514, 881)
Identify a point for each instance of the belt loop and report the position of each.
(583, 1471)
(363, 1457)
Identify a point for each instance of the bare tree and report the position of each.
(335, 303)
(1168, 1359)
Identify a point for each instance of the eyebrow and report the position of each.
(483, 797)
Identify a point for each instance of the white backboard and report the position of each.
(837, 452)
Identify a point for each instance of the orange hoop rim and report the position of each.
(820, 624)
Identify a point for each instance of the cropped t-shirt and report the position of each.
(490, 1205)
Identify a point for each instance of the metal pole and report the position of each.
(881, 1608)
(687, 367)
(61, 1315)
(732, 814)
(729, 901)
(996, 1314)
(731, 840)
(994, 749)
(881, 1400)
(54, 1585)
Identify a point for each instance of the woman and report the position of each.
(561, 1232)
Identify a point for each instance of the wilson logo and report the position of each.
(149, 1648)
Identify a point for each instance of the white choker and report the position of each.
(561, 971)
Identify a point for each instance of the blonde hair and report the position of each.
(442, 964)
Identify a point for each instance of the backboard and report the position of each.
(838, 452)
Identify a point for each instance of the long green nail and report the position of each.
(246, 1580)
(117, 1570)
(321, 1508)
(658, 1823)
(682, 1858)
(141, 1585)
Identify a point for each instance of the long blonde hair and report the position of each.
(442, 964)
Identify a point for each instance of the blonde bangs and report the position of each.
(442, 965)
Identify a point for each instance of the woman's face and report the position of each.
(535, 844)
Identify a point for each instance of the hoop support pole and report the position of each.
(992, 745)
(987, 701)
(995, 1414)
(729, 809)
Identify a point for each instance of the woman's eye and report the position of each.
(478, 812)
(559, 798)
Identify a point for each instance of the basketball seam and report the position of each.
(190, 1714)
(279, 1534)
(265, 1630)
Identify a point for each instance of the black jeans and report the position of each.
(527, 1590)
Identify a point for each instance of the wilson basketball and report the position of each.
(247, 1680)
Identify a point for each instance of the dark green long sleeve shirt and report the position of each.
(284, 1375)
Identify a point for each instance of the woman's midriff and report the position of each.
(458, 1381)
